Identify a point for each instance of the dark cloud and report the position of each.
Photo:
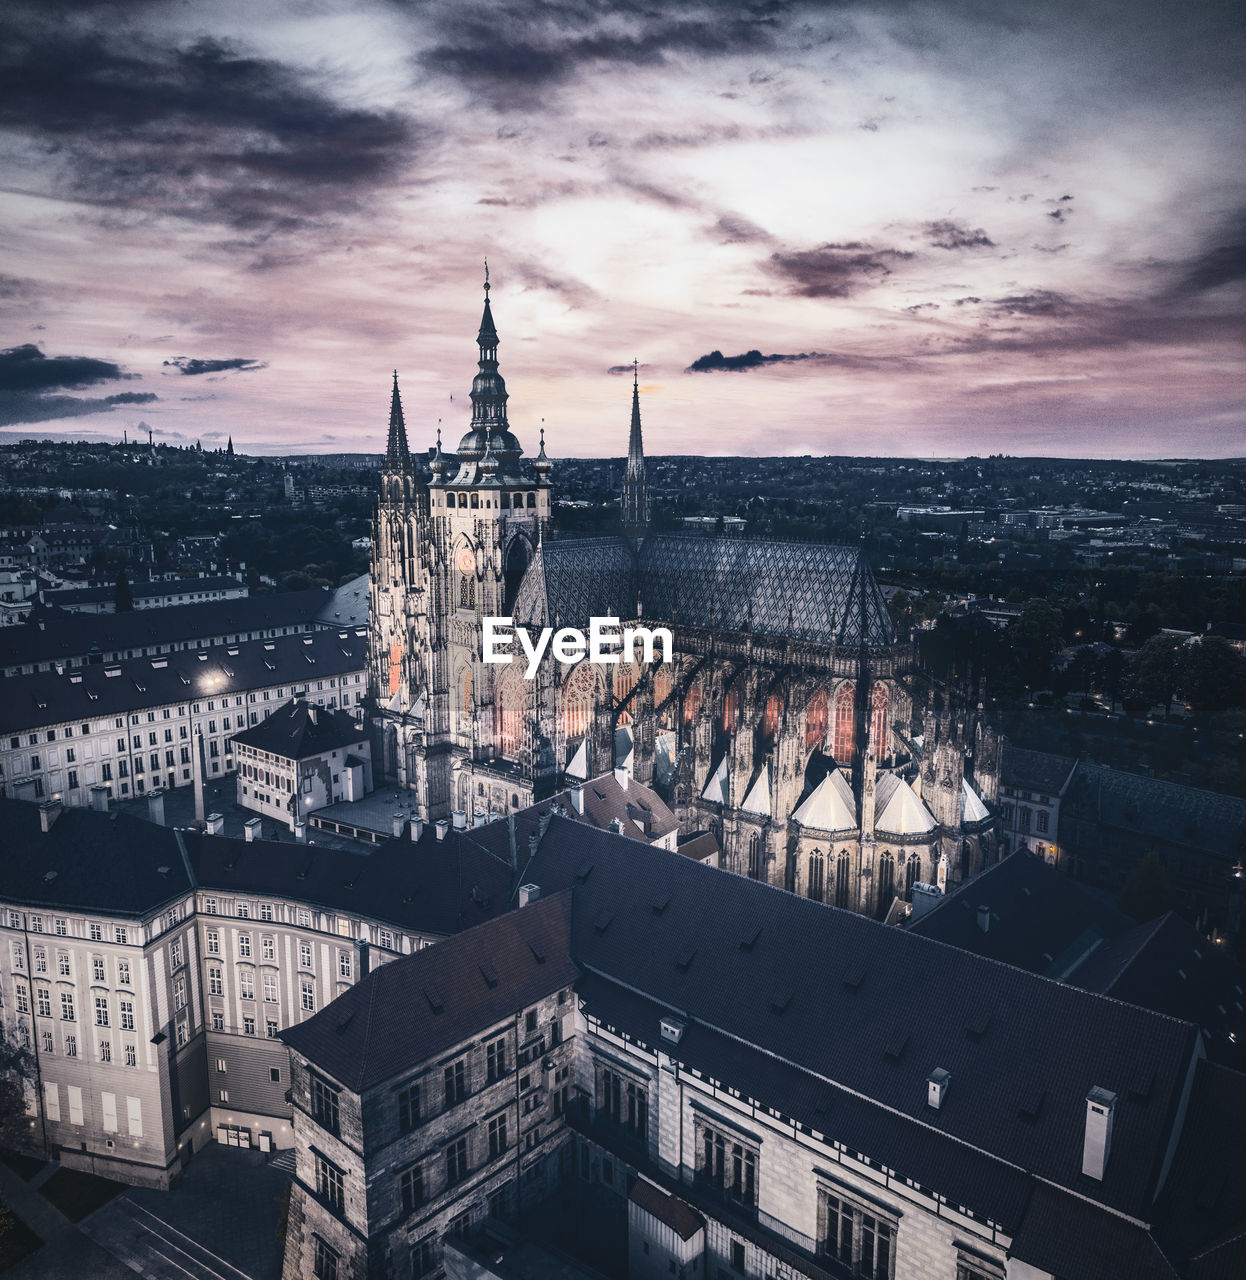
(508, 53)
(191, 365)
(202, 130)
(716, 361)
(834, 270)
(1221, 264)
(731, 228)
(945, 234)
(626, 368)
(26, 368)
(1041, 302)
(31, 383)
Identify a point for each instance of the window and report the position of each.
(71, 1046)
(47, 1042)
(244, 911)
(497, 1136)
(304, 919)
(411, 1187)
(43, 1001)
(179, 991)
(266, 910)
(456, 1082)
(62, 965)
(123, 973)
(97, 969)
(530, 1020)
(218, 1021)
(495, 1060)
(737, 1255)
(324, 1260)
(244, 945)
(181, 1035)
(343, 964)
(216, 984)
(307, 995)
(624, 1102)
(972, 1266)
(97, 932)
(385, 938)
(728, 1165)
(270, 1028)
(305, 955)
(456, 1162)
(329, 1186)
(1023, 815)
(214, 942)
(101, 1011)
(127, 1015)
(41, 960)
(67, 1005)
(62, 928)
(131, 1056)
(856, 1236)
(209, 908)
(1042, 820)
(425, 1257)
(324, 1104)
(246, 984)
(268, 948)
(177, 956)
(248, 1026)
(270, 988)
(408, 1108)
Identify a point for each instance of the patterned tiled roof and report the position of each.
(807, 591)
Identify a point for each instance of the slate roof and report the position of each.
(141, 590)
(1034, 770)
(1038, 916)
(89, 692)
(643, 813)
(296, 730)
(808, 591)
(684, 1220)
(59, 634)
(406, 1012)
(112, 863)
(900, 1004)
(347, 605)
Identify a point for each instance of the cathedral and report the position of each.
(792, 723)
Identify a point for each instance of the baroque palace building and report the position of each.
(792, 723)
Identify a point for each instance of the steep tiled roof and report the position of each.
(898, 811)
(808, 591)
(830, 806)
(406, 1012)
(296, 731)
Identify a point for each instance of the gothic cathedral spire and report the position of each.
(634, 508)
(397, 457)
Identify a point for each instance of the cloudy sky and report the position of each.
(965, 226)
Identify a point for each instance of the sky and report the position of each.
(881, 228)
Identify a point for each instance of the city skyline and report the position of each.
(882, 229)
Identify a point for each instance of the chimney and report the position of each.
(311, 712)
(442, 827)
(459, 817)
(528, 893)
(984, 919)
(99, 799)
(1100, 1104)
(577, 798)
(621, 774)
(936, 1087)
(252, 827)
(478, 818)
(49, 811)
(215, 823)
(400, 821)
(417, 829)
(155, 806)
(300, 831)
(365, 958)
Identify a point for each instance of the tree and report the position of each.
(123, 597)
(1156, 671)
(17, 1073)
(1035, 636)
(1146, 893)
(1112, 675)
(1212, 675)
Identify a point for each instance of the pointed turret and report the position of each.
(634, 507)
(397, 457)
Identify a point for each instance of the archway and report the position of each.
(518, 556)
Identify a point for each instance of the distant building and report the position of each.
(301, 758)
(1031, 786)
(148, 595)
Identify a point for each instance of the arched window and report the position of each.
(692, 704)
(475, 500)
(467, 591)
(843, 745)
(662, 685)
(731, 707)
(465, 700)
(509, 715)
(841, 879)
(505, 500)
(518, 500)
(964, 860)
(756, 865)
(817, 717)
(886, 881)
(532, 499)
(395, 666)
(817, 876)
(462, 499)
(912, 873)
(880, 705)
(772, 716)
(577, 701)
(516, 566)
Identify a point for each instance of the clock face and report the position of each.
(466, 560)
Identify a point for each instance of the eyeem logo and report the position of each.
(606, 643)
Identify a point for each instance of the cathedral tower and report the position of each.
(634, 507)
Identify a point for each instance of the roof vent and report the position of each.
(672, 1030)
(780, 1000)
(749, 941)
(489, 974)
(436, 1002)
(660, 903)
(683, 962)
(1097, 1145)
(896, 1045)
(854, 978)
(984, 919)
(936, 1087)
(528, 893)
